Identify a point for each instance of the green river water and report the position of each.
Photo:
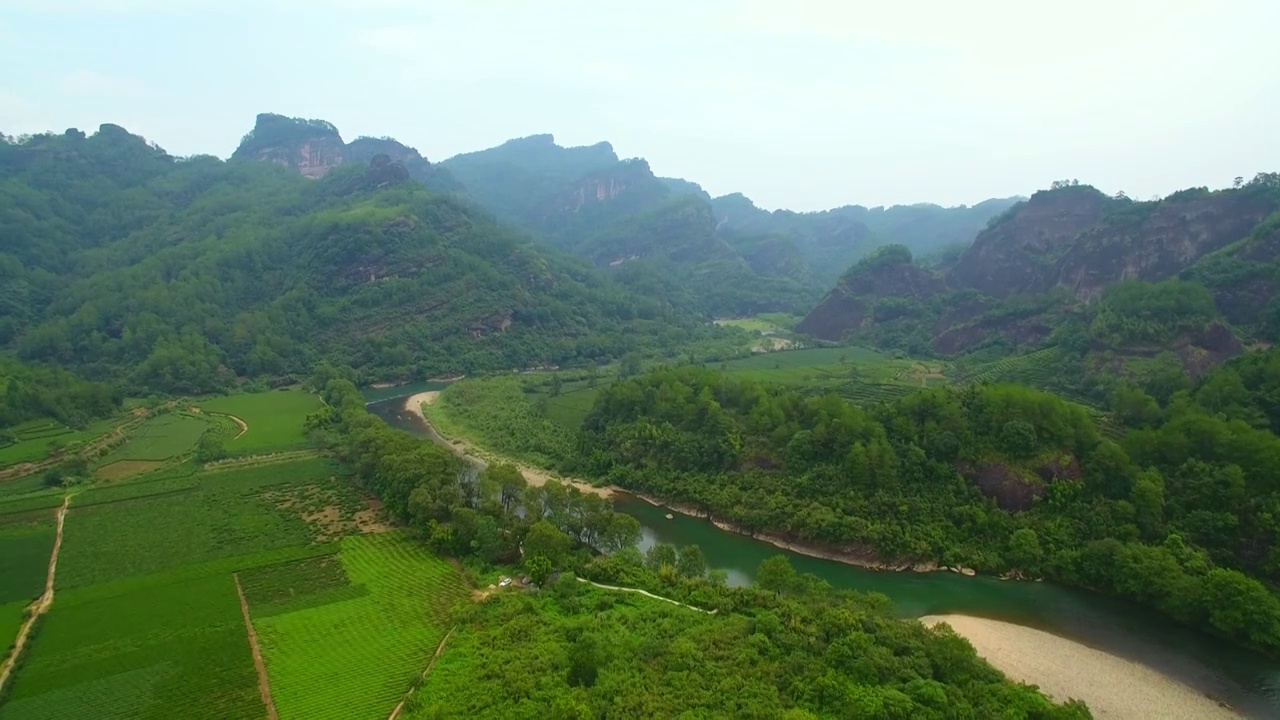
(1247, 681)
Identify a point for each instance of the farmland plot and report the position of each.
(355, 658)
(165, 650)
(274, 419)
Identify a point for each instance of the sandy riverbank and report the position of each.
(534, 476)
(1113, 687)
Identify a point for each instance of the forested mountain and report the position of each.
(179, 274)
(1180, 514)
(831, 240)
(1182, 282)
(650, 231)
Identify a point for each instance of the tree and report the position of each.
(1024, 550)
(510, 483)
(776, 574)
(209, 448)
(629, 366)
(692, 562)
(545, 540)
(1018, 438)
(554, 385)
(539, 569)
(660, 554)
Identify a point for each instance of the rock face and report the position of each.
(311, 147)
(314, 147)
(1075, 241)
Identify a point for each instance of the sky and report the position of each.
(799, 105)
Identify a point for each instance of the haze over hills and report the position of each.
(655, 233)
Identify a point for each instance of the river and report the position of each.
(1247, 681)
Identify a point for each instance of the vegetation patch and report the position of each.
(298, 585)
(121, 469)
(274, 419)
(24, 560)
(356, 659)
(498, 415)
(160, 438)
(173, 649)
(225, 514)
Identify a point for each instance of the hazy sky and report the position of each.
(804, 105)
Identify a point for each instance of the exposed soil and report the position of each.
(534, 476)
(370, 520)
(439, 651)
(244, 427)
(264, 685)
(41, 605)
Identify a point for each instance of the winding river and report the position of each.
(1247, 681)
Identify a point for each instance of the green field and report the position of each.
(274, 419)
(36, 439)
(170, 649)
(24, 558)
(11, 617)
(355, 655)
(215, 515)
(150, 444)
(147, 622)
(765, 323)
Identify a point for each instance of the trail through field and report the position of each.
(465, 449)
(244, 426)
(41, 605)
(646, 593)
(264, 685)
(439, 651)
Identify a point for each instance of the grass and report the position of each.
(24, 560)
(175, 649)
(39, 438)
(118, 531)
(274, 419)
(356, 658)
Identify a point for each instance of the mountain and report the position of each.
(650, 231)
(314, 147)
(833, 239)
(126, 264)
(1195, 274)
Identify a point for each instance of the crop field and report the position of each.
(37, 439)
(353, 655)
(155, 441)
(24, 558)
(274, 419)
(11, 616)
(172, 648)
(118, 531)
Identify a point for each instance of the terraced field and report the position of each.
(152, 444)
(350, 654)
(36, 439)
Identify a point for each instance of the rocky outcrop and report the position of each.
(1073, 241)
(312, 147)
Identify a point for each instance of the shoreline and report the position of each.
(866, 561)
(1113, 687)
(535, 477)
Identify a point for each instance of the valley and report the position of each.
(620, 432)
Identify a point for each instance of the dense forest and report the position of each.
(33, 392)
(1179, 514)
(173, 275)
(790, 647)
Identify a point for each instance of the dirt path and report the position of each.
(439, 650)
(41, 605)
(645, 593)
(534, 476)
(264, 686)
(244, 426)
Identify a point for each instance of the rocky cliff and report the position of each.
(1051, 257)
(314, 147)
